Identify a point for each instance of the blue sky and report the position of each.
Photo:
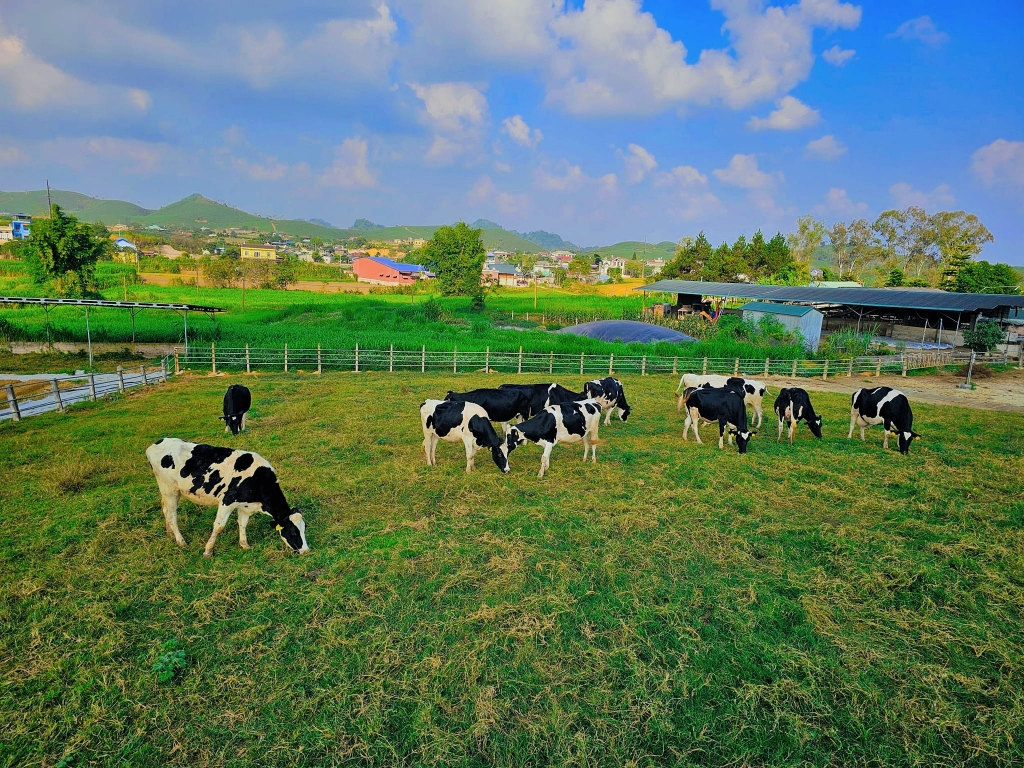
(601, 120)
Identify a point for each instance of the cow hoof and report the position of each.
(245, 546)
(207, 553)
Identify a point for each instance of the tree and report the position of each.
(839, 238)
(906, 239)
(615, 274)
(316, 245)
(634, 268)
(581, 266)
(959, 236)
(862, 246)
(222, 272)
(777, 256)
(63, 253)
(984, 336)
(982, 277)
(810, 232)
(690, 257)
(895, 279)
(456, 254)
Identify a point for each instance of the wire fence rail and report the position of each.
(307, 359)
(58, 393)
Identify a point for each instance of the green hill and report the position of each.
(625, 250)
(84, 207)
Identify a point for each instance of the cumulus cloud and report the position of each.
(684, 176)
(922, 28)
(570, 179)
(350, 169)
(790, 114)
(828, 147)
(457, 113)
(10, 154)
(742, 172)
(638, 161)
(266, 169)
(904, 195)
(517, 130)
(1000, 163)
(837, 204)
(837, 57)
(508, 203)
(501, 167)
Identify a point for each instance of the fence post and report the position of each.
(704, 369)
(487, 360)
(391, 359)
(795, 362)
(675, 365)
(582, 357)
(286, 358)
(904, 360)
(248, 367)
(736, 368)
(319, 361)
(423, 359)
(12, 401)
(120, 378)
(643, 365)
(520, 369)
(56, 395)
(878, 367)
(611, 361)
(849, 371)
(142, 370)
(824, 372)
(767, 364)
(455, 359)
(177, 367)
(357, 357)
(163, 370)
(551, 362)
(92, 387)
(213, 357)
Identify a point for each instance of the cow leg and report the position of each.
(792, 428)
(169, 504)
(219, 524)
(244, 417)
(608, 416)
(862, 434)
(721, 436)
(545, 459)
(885, 437)
(470, 452)
(694, 418)
(779, 438)
(853, 423)
(243, 521)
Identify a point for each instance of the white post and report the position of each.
(643, 366)
(213, 358)
(611, 362)
(248, 367)
(455, 359)
(551, 362)
(704, 370)
(487, 360)
(12, 401)
(120, 379)
(319, 361)
(286, 358)
(357, 357)
(903, 358)
(824, 371)
(423, 359)
(795, 362)
(736, 368)
(767, 363)
(520, 369)
(92, 386)
(56, 395)
(675, 365)
(142, 371)
(582, 357)
(177, 368)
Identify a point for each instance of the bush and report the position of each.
(984, 336)
(432, 310)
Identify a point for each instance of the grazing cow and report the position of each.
(753, 391)
(231, 480)
(543, 395)
(888, 407)
(237, 401)
(794, 404)
(500, 404)
(722, 405)
(452, 421)
(610, 394)
(563, 423)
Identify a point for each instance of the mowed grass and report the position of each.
(825, 604)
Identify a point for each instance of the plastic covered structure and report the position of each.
(626, 331)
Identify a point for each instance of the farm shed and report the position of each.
(795, 317)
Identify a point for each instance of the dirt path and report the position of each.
(1003, 392)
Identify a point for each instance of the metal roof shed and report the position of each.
(802, 318)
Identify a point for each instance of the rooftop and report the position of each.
(778, 309)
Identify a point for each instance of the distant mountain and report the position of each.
(322, 223)
(548, 241)
(625, 250)
(485, 224)
(83, 206)
(365, 225)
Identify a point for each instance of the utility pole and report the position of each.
(49, 204)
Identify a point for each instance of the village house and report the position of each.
(377, 270)
(265, 252)
(502, 274)
(613, 262)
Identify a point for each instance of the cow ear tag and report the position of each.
(280, 528)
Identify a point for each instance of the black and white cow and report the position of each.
(723, 405)
(543, 395)
(231, 480)
(500, 404)
(753, 391)
(794, 404)
(454, 421)
(237, 402)
(610, 394)
(564, 423)
(888, 407)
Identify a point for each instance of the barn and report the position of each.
(377, 270)
(795, 317)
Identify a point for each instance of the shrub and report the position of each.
(432, 309)
(984, 336)
(171, 661)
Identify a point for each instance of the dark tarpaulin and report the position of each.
(626, 331)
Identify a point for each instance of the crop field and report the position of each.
(340, 321)
(822, 604)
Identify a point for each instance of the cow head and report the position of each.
(906, 438)
(742, 438)
(234, 422)
(624, 410)
(815, 426)
(293, 533)
(499, 453)
(513, 439)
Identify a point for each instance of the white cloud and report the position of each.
(269, 169)
(837, 57)
(1001, 162)
(904, 195)
(350, 169)
(484, 190)
(10, 154)
(501, 167)
(683, 176)
(112, 154)
(790, 114)
(742, 172)
(571, 179)
(922, 28)
(828, 147)
(456, 112)
(520, 132)
(837, 203)
(481, 190)
(638, 161)
(609, 184)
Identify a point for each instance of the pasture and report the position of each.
(825, 604)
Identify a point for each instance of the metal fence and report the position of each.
(291, 359)
(44, 394)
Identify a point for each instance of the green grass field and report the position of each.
(825, 604)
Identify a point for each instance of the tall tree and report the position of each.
(777, 256)
(839, 239)
(982, 277)
(63, 253)
(863, 246)
(906, 239)
(960, 237)
(810, 232)
(457, 255)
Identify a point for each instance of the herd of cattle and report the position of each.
(543, 414)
